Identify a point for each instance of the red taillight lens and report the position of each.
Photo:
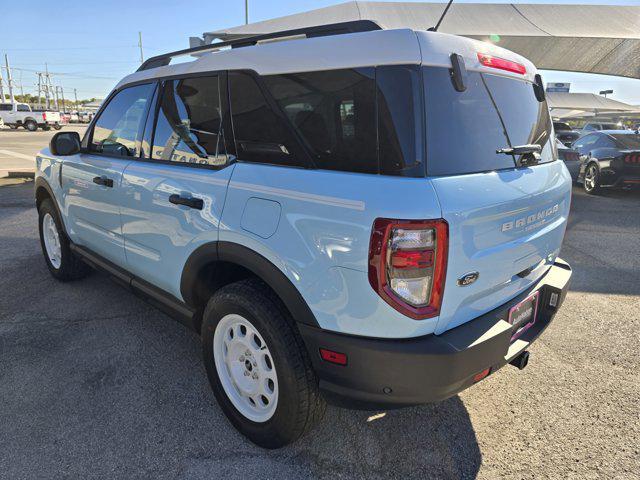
(407, 264)
(44, 117)
(501, 64)
(635, 158)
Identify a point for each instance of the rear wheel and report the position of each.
(258, 366)
(591, 179)
(31, 125)
(61, 261)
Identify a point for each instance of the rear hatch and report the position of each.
(505, 222)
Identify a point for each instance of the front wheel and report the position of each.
(591, 179)
(257, 365)
(61, 261)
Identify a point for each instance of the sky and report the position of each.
(90, 45)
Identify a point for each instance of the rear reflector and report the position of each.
(479, 376)
(333, 357)
(501, 64)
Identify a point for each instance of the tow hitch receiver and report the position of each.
(521, 360)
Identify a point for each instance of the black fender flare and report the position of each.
(237, 254)
(41, 184)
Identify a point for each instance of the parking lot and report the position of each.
(96, 383)
(18, 148)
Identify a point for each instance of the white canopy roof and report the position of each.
(581, 38)
(586, 102)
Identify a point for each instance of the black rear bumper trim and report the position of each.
(389, 373)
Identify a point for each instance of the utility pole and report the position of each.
(55, 93)
(9, 79)
(1, 87)
(140, 45)
(75, 95)
(246, 12)
(21, 88)
(47, 93)
(39, 89)
(64, 107)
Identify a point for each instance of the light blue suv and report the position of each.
(369, 217)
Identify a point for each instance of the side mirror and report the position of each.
(65, 143)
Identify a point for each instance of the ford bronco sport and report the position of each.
(347, 214)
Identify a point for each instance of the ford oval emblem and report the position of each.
(468, 279)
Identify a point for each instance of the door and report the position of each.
(173, 196)
(92, 180)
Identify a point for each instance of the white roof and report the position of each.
(584, 38)
(378, 47)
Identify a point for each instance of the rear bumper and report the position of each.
(389, 373)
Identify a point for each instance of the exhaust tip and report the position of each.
(521, 360)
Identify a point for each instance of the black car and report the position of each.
(565, 133)
(571, 159)
(609, 158)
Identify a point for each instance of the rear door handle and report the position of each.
(104, 181)
(190, 202)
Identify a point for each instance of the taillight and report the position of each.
(407, 264)
(634, 158)
(501, 64)
(44, 117)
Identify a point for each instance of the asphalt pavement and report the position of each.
(95, 383)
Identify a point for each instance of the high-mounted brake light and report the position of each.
(501, 64)
(407, 264)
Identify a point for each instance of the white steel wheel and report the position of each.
(51, 238)
(245, 367)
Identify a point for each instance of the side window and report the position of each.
(261, 135)
(585, 143)
(400, 120)
(605, 142)
(117, 130)
(23, 108)
(334, 113)
(189, 124)
(5, 107)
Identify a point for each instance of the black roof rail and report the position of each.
(309, 32)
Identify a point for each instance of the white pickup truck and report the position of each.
(20, 115)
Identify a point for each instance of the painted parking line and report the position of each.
(18, 155)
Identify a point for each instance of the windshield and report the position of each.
(629, 142)
(464, 129)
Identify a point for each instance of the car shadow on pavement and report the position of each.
(98, 383)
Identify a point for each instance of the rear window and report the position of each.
(464, 129)
(5, 107)
(628, 142)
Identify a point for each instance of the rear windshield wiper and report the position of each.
(529, 154)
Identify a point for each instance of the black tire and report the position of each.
(57, 126)
(70, 267)
(13, 126)
(30, 125)
(300, 405)
(591, 180)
